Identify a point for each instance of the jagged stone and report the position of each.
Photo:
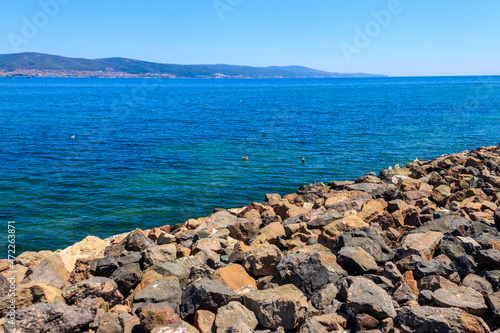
(284, 306)
(432, 319)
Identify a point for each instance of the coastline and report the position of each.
(381, 252)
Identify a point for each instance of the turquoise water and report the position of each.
(150, 152)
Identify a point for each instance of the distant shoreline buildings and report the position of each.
(29, 73)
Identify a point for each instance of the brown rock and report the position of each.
(347, 200)
(333, 321)
(232, 313)
(441, 194)
(273, 199)
(233, 277)
(284, 306)
(332, 231)
(204, 320)
(155, 315)
(434, 282)
(365, 322)
(261, 259)
(422, 244)
(372, 209)
(272, 231)
(81, 271)
(154, 234)
(183, 252)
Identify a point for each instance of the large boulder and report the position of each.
(335, 229)
(232, 313)
(53, 318)
(156, 315)
(261, 259)
(94, 287)
(424, 319)
(368, 239)
(422, 244)
(284, 306)
(310, 272)
(90, 247)
(164, 291)
(364, 296)
(205, 294)
(464, 298)
(233, 277)
(356, 260)
(157, 255)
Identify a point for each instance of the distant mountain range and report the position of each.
(36, 62)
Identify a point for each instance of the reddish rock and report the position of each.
(204, 320)
(155, 315)
(233, 277)
(422, 244)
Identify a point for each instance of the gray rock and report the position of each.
(239, 327)
(109, 323)
(282, 306)
(205, 294)
(324, 297)
(464, 298)
(493, 301)
(166, 291)
(308, 272)
(477, 283)
(93, 287)
(426, 319)
(231, 314)
(262, 259)
(53, 317)
(356, 260)
(312, 325)
(181, 269)
(493, 277)
(125, 280)
(103, 266)
(364, 296)
(464, 265)
(488, 259)
(368, 239)
(421, 267)
(157, 255)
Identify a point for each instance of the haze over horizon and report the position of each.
(397, 38)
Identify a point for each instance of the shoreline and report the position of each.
(381, 252)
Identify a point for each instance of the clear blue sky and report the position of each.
(421, 37)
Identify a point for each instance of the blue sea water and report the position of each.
(149, 152)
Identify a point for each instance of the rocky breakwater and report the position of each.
(414, 249)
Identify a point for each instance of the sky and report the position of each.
(393, 37)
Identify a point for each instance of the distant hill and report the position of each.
(39, 61)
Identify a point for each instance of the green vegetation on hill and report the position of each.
(39, 61)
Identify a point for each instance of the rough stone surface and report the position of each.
(205, 294)
(163, 291)
(231, 314)
(284, 306)
(364, 296)
(464, 298)
(431, 319)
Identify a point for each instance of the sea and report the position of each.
(96, 156)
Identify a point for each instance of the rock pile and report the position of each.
(414, 249)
